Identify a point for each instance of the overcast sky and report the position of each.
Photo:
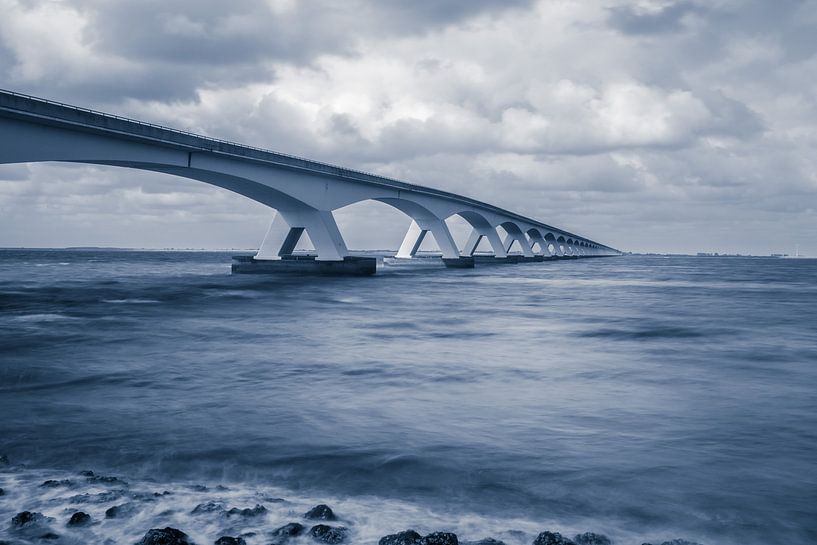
(651, 125)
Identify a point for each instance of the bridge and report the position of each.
(303, 192)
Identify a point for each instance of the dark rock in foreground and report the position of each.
(2, 492)
(121, 511)
(50, 536)
(254, 512)
(165, 536)
(227, 540)
(329, 534)
(485, 541)
(79, 519)
(589, 538)
(552, 538)
(209, 507)
(409, 537)
(25, 519)
(4, 460)
(291, 529)
(441, 538)
(52, 483)
(320, 512)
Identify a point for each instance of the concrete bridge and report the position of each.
(304, 192)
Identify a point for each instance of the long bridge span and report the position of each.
(303, 192)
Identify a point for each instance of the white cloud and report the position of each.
(599, 116)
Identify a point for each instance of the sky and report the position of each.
(647, 125)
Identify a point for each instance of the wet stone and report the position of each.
(123, 510)
(165, 536)
(254, 512)
(79, 519)
(552, 538)
(24, 519)
(53, 483)
(2, 492)
(441, 538)
(227, 540)
(320, 512)
(291, 529)
(589, 538)
(208, 507)
(50, 536)
(104, 479)
(4, 460)
(486, 541)
(329, 534)
(102, 497)
(409, 537)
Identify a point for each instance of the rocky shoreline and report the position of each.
(87, 507)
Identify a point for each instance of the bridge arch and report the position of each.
(305, 193)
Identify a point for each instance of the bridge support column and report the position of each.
(539, 240)
(417, 232)
(287, 228)
(493, 238)
(523, 243)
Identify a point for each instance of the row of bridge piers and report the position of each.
(277, 253)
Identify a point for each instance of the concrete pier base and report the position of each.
(305, 265)
(493, 260)
(464, 262)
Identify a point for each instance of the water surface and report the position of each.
(646, 398)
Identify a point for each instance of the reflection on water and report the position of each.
(643, 397)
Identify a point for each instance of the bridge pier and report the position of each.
(287, 228)
(493, 238)
(417, 232)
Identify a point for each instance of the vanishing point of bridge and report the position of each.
(303, 192)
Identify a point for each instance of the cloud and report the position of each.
(653, 125)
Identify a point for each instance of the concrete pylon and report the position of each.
(537, 239)
(493, 238)
(417, 232)
(288, 226)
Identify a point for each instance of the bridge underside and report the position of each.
(304, 193)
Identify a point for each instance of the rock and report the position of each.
(254, 512)
(102, 497)
(209, 507)
(25, 519)
(166, 536)
(289, 530)
(121, 511)
(485, 541)
(49, 536)
(79, 519)
(227, 540)
(320, 512)
(4, 460)
(552, 538)
(104, 479)
(440, 538)
(2, 492)
(409, 537)
(680, 542)
(329, 534)
(53, 483)
(589, 538)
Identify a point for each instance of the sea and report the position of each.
(645, 398)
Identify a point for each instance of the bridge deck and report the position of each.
(17, 105)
